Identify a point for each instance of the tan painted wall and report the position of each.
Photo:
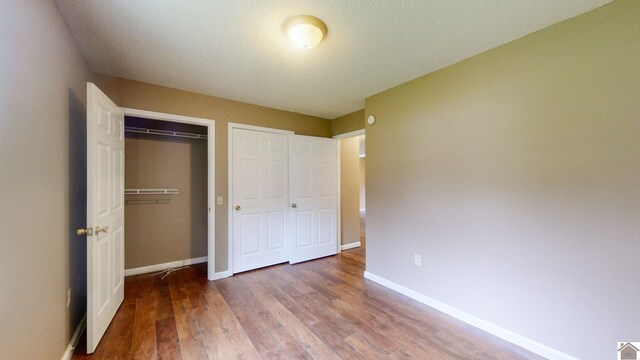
(160, 233)
(43, 177)
(348, 123)
(350, 190)
(137, 95)
(515, 175)
(363, 201)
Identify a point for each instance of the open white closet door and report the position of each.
(313, 179)
(105, 213)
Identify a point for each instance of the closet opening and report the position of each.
(169, 183)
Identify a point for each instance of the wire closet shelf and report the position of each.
(151, 191)
(139, 130)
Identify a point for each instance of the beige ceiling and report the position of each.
(236, 49)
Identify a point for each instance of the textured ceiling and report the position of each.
(236, 49)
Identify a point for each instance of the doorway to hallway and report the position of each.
(352, 195)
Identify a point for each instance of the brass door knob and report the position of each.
(294, 205)
(238, 208)
(103, 230)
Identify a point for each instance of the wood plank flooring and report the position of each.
(321, 309)
(358, 254)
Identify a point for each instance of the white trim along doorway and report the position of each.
(211, 172)
(341, 137)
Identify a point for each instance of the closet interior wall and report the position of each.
(169, 227)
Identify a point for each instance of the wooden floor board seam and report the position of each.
(322, 309)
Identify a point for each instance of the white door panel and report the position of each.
(105, 212)
(276, 239)
(260, 201)
(313, 190)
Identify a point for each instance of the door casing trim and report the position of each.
(340, 137)
(211, 172)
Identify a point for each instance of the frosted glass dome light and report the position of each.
(305, 31)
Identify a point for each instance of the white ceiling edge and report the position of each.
(236, 50)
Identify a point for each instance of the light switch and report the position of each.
(218, 200)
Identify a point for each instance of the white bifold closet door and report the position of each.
(313, 178)
(260, 198)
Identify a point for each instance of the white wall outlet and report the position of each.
(418, 260)
(69, 297)
(218, 200)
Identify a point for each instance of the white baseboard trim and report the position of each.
(350, 245)
(493, 329)
(160, 267)
(74, 339)
(222, 275)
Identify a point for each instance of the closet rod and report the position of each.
(163, 132)
(151, 191)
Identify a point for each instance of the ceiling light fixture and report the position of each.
(305, 31)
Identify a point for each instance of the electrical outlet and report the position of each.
(218, 200)
(418, 260)
(69, 297)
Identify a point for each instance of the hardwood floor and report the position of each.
(359, 254)
(322, 309)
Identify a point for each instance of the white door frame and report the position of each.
(233, 126)
(340, 137)
(211, 172)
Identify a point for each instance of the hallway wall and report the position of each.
(350, 190)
